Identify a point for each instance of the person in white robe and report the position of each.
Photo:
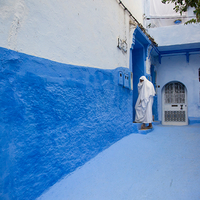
(143, 106)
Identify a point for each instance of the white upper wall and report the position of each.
(176, 35)
(136, 7)
(76, 32)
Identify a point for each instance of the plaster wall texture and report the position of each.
(54, 118)
(176, 68)
(72, 32)
(179, 34)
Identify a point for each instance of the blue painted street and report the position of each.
(163, 164)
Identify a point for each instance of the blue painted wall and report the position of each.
(53, 118)
(176, 68)
(138, 71)
(155, 102)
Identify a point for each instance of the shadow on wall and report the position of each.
(54, 118)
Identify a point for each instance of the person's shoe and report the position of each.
(150, 127)
(143, 127)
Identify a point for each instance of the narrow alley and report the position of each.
(161, 165)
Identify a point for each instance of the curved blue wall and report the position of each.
(54, 118)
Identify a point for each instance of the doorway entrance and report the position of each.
(174, 100)
(138, 54)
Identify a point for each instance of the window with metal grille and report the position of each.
(174, 93)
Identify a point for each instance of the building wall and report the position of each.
(72, 32)
(176, 68)
(54, 118)
(60, 100)
(179, 35)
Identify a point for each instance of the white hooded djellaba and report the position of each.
(144, 102)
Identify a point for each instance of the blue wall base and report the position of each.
(194, 120)
(54, 118)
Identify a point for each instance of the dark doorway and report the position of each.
(138, 71)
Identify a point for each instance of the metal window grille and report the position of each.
(174, 93)
(175, 116)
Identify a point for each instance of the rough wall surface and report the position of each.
(54, 118)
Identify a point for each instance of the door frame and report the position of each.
(138, 55)
(174, 123)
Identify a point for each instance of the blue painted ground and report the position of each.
(161, 165)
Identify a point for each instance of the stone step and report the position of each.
(144, 131)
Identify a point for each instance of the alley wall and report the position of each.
(176, 68)
(60, 99)
(74, 32)
(54, 118)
